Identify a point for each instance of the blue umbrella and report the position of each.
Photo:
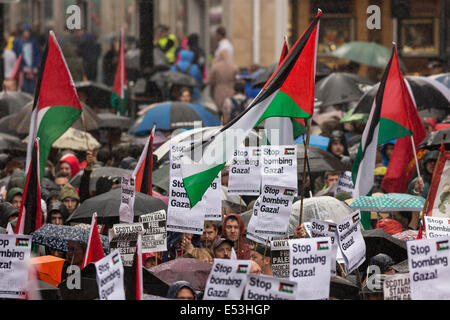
(315, 141)
(174, 115)
(443, 78)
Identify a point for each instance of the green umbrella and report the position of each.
(389, 202)
(351, 116)
(368, 53)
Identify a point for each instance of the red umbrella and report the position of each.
(194, 271)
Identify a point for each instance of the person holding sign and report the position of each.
(233, 229)
(261, 255)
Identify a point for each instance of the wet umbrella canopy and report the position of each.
(11, 143)
(319, 160)
(12, 102)
(434, 139)
(111, 172)
(96, 94)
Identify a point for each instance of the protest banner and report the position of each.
(437, 227)
(351, 242)
(245, 172)
(110, 277)
(279, 166)
(309, 266)
(227, 279)
(321, 228)
(344, 183)
(439, 194)
(260, 287)
(429, 270)
(280, 258)
(271, 213)
(396, 287)
(15, 251)
(154, 238)
(126, 209)
(124, 237)
(180, 216)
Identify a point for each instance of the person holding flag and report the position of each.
(119, 94)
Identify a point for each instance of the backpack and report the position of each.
(237, 107)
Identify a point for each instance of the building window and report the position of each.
(420, 37)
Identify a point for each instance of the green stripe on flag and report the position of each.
(54, 123)
(197, 184)
(119, 103)
(391, 130)
(298, 128)
(283, 106)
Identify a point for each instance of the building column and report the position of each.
(15, 15)
(362, 32)
(304, 16)
(59, 16)
(281, 19)
(386, 24)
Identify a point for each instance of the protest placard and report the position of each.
(396, 287)
(260, 287)
(126, 209)
(309, 266)
(351, 242)
(154, 238)
(279, 166)
(279, 250)
(429, 270)
(110, 277)
(321, 228)
(245, 172)
(437, 227)
(271, 213)
(124, 237)
(227, 279)
(344, 183)
(180, 216)
(15, 251)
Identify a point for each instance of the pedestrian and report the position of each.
(223, 43)
(187, 66)
(255, 268)
(185, 95)
(420, 186)
(233, 229)
(199, 54)
(181, 290)
(261, 254)
(210, 234)
(69, 164)
(62, 178)
(14, 196)
(236, 104)
(110, 61)
(69, 197)
(221, 78)
(222, 248)
(57, 213)
(29, 48)
(167, 42)
(338, 147)
(89, 50)
(8, 213)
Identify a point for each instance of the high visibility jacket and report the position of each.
(169, 46)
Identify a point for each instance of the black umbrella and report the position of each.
(322, 70)
(110, 120)
(434, 139)
(319, 160)
(97, 94)
(21, 122)
(341, 87)
(4, 124)
(172, 77)
(88, 289)
(343, 289)
(151, 283)
(378, 241)
(11, 143)
(107, 207)
(161, 178)
(111, 172)
(11, 102)
(428, 98)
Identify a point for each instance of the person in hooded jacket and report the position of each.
(179, 243)
(57, 213)
(338, 147)
(189, 67)
(7, 213)
(181, 290)
(69, 163)
(386, 152)
(233, 228)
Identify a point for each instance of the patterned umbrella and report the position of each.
(57, 237)
(389, 202)
(408, 235)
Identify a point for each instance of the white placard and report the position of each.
(396, 287)
(227, 279)
(154, 238)
(110, 277)
(271, 213)
(279, 251)
(279, 166)
(351, 242)
(429, 270)
(245, 172)
(437, 227)
(124, 237)
(345, 183)
(321, 228)
(15, 251)
(126, 210)
(260, 287)
(309, 266)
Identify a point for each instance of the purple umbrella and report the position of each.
(194, 271)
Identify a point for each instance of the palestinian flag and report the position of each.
(288, 93)
(119, 94)
(442, 245)
(94, 250)
(389, 119)
(15, 72)
(144, 169)
(286, 287)
(322, 245)
(30, 214)
(22, 242)
(116, 258)
(56, 103)
(331, 228)
(355, 218)
(242, 268)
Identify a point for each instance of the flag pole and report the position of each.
(85, 130)
(415, 157)
(308, 126)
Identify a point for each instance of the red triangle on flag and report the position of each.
(94, 250)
